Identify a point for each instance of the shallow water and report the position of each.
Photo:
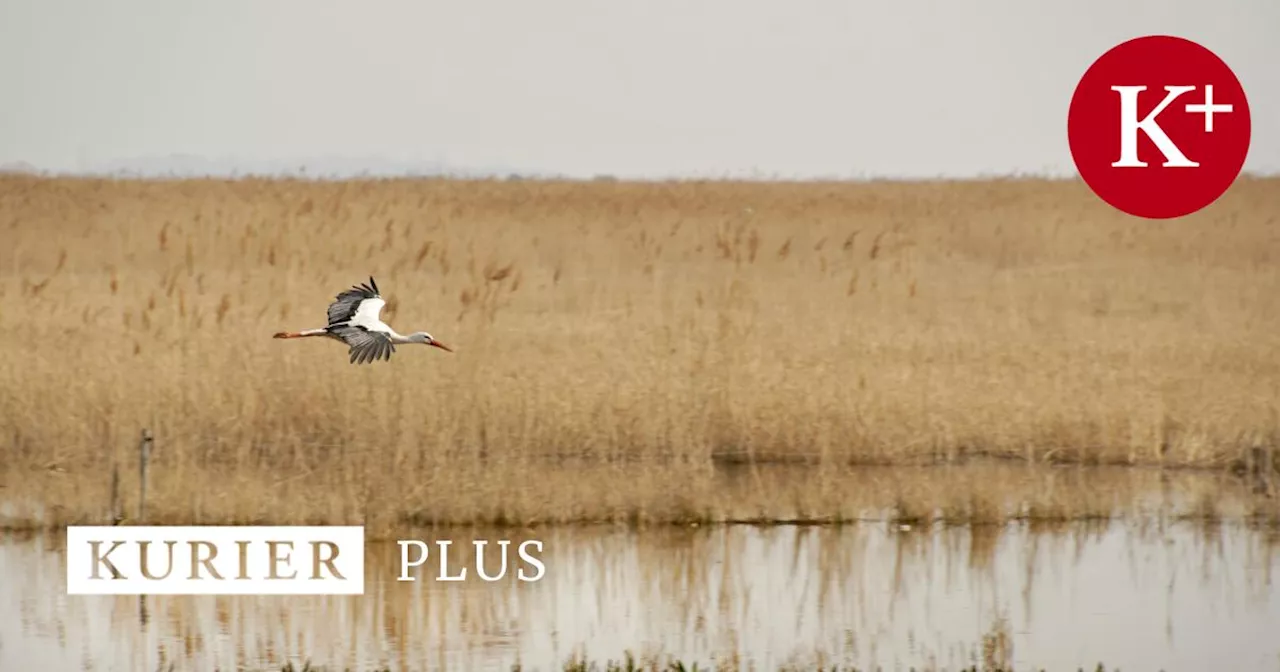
(1172, 596)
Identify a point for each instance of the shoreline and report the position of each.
(902, 498)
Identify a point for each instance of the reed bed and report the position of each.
(618, 345)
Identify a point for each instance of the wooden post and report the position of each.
(117, 512)
(1261, 468)
(144, 456)
(1269, 470)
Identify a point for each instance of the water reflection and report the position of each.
(1174, 596)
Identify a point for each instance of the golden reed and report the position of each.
(618, 345)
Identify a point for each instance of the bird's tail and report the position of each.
(300, 334)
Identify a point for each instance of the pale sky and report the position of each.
(652, 88)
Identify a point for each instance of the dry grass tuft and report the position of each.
(617, 344)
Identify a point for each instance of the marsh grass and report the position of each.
(620, 347)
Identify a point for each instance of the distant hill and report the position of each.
(19, 167)
(187, 166)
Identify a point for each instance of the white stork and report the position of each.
(353, 319)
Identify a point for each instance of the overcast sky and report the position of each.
(792, 88)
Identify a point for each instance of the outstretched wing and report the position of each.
(359, 305)
(365, 345)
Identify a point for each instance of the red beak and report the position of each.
(442, 346)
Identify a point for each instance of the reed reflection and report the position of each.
(1137, 595)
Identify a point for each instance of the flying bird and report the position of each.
(353, 319)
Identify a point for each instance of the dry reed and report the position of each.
(616, 344)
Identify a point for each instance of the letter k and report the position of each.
(1130, 125)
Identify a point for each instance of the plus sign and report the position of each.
(1207, 108)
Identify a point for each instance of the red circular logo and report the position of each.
(1159, 127)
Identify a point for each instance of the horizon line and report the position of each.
(426, 170)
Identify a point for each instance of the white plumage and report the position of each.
(354, 320)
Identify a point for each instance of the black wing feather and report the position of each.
(346, 304)
(364, 345)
